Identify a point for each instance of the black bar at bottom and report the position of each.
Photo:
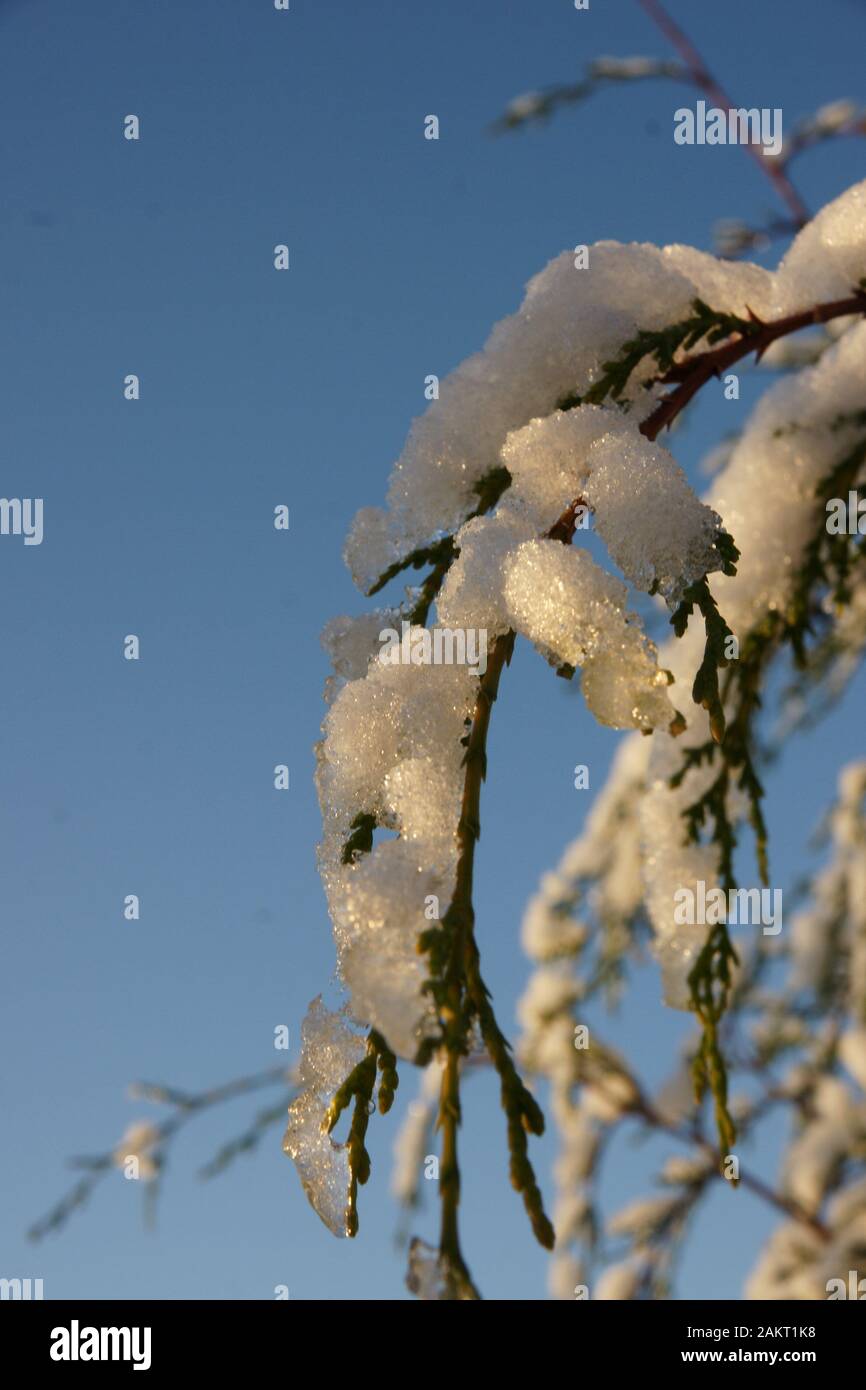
(160, 1338)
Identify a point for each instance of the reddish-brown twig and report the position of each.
(695, 371)
(704, 79)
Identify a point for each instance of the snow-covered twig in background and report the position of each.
(147, 1142)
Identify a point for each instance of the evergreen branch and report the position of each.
(388, 1078)
(663, 344)
(522, 1111)
(420, 610)
(825, 566)
(441, 553)
(431, 554)
(455, 981)
(447, 946)
(694, 372)
(705, 689)
(735, 337)
(358, 1088)
(458, 1280)
(710, 985)
(461, 996)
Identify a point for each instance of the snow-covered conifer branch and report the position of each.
(821, 1188)
(560, 415)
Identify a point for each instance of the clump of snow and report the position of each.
(392, 751)
(657, 531)
(564, 602)
(395, 713)
(371, 547)
(766, 493)
(472, 595)
(351, 643)
(423, 799)
(574, 612)
(377, 918)
(827, 259)
(429, 1276)
(733, 287)
(330, 1051)
(624, 687)
(572, 320)
(139, 1141)
(549, 460)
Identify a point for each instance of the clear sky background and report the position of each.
(260, 388)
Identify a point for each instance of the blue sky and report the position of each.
(259, 388)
